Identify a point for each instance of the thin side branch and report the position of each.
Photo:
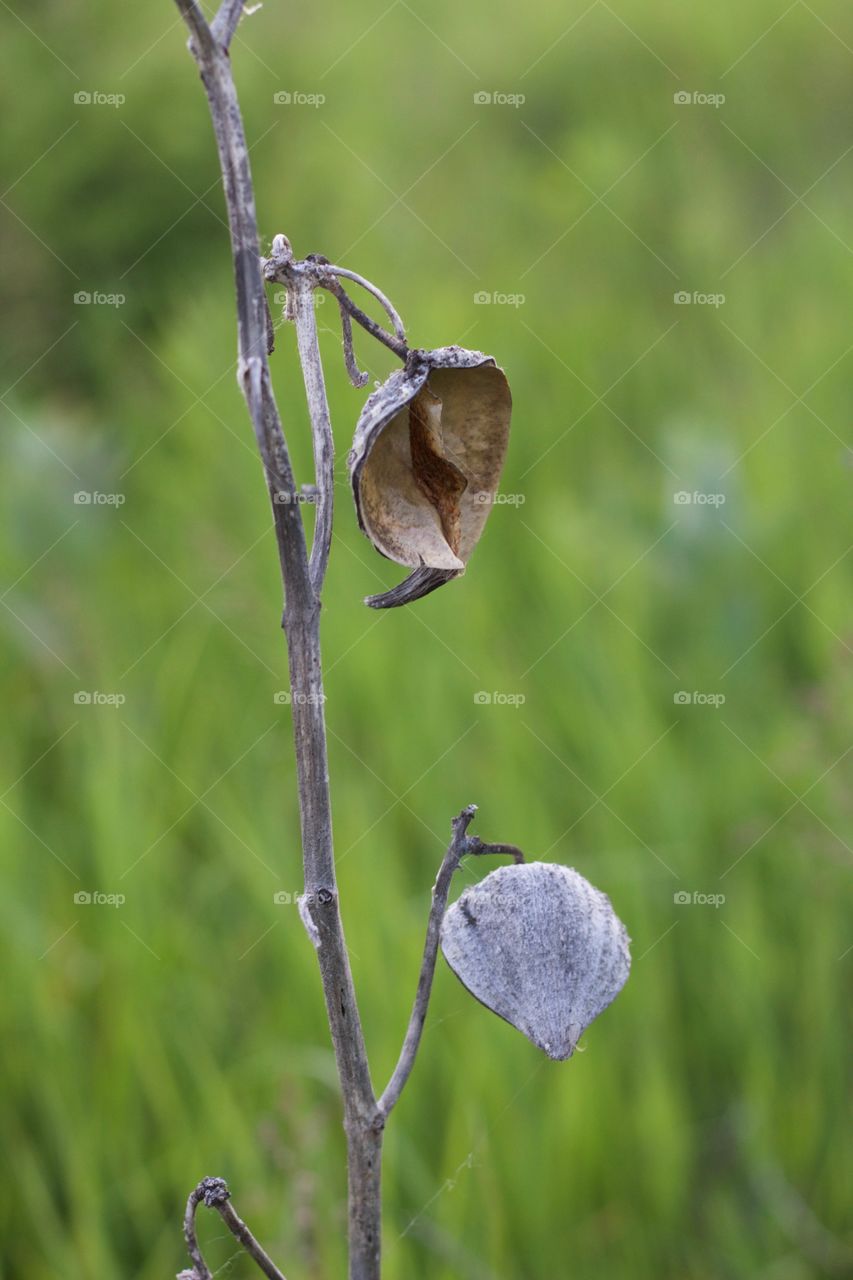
(200, 1271)
(197, 23)
(380, 297)
(477, 846)
(461, 844)
(321, 427)
(396, 344)
(356, 377)
(215, 1194)
(226, 21)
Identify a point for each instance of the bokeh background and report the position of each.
(701, 1133)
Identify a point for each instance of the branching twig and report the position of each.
(396, 344)
(380, 297)
(460, 845)
(282, 267)
(215, 1194)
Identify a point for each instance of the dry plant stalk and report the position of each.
(425, 467)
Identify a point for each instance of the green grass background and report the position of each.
(701, 1133)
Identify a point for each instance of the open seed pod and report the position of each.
(538, 945)
(425, 464)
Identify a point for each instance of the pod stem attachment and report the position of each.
(320, 273)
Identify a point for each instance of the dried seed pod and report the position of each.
(538, 945)
(425, 464)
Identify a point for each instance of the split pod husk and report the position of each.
(426, 462)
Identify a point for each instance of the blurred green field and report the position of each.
(703, 1134)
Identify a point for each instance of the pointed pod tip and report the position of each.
(564, 1047)
(419, 583)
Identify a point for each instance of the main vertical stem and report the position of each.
(302, 579)
(364, 1172)
(363, 1121)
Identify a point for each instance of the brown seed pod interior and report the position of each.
(426, 462)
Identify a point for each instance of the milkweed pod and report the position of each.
(425, 464)
(541, 947)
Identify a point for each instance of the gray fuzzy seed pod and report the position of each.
(540, 946)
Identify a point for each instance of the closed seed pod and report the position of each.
(541, 947)
(425, 464)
